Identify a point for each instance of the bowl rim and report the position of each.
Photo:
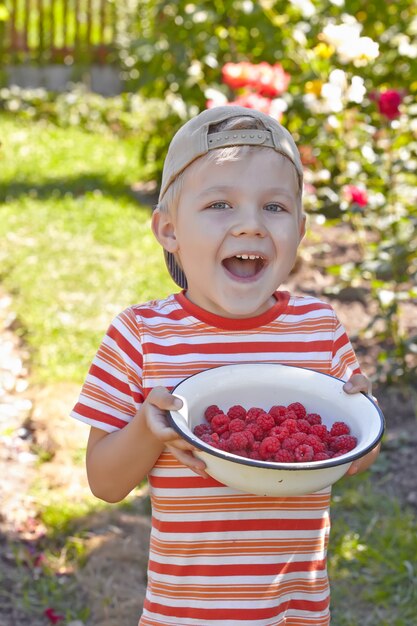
(314, 465)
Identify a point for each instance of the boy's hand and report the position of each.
(158, 402)
(355, 384)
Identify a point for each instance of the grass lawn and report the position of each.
(76, 248)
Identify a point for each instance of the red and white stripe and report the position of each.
(220, 557)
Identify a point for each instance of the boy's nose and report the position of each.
(249, 222)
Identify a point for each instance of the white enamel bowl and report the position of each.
(264, 385)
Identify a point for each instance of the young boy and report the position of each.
(230, 220)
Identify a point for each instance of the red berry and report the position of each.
(291, 425)
(300, 437)
(320, 430)
(237, 441)
(321, 456)
(265, 421)
(237, 411)
(202, 429)
(303, 425)
(342, 442)
(303, 453)
(256, 430)
(236, 425)
(220, 423)
(317, 444)
(284, 456)
(298, 409)
(211, 411)
(269, 446)
(339, 428)
(290, 444)
(253, 413)
(313, 418)
(279, 413)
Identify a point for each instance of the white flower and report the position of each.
(215, 96)
(306, 7)
(357, 90)
(350, 46)
(360, 51)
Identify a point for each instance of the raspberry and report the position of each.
(291, 425)
(303, 453)
(284, 456)
(253, 413)
(300, 437)
(315, 443)
(321, 456)
(339, 428)
(269, 446)
(265, 421)
(236, 412)
(220, 423)
(211, 411)
(207, 439)
(202, 429)
(250, 437)
(290, 444)
(237, 441)
(236, 425)
(279, 413)
(320, 430)
(298, 409)
(342, 442)
(303, 425)
(279, 432)
(340, 453)
(256, 431)
(313, 418)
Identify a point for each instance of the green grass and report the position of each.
(76, 247)
(372, 556)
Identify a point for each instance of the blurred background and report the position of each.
(91, 92)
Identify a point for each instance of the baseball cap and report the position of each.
(194, 140)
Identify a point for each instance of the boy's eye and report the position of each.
(219, 205)
(274, 207)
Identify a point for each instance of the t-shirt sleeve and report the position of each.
(344, 361)
(112, 392)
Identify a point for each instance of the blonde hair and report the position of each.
(170, 201)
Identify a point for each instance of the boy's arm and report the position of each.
(117, 462)
(356, 384)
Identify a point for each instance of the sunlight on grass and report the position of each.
(76, 246)
(372, 557)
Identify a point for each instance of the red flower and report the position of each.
(265, 79)
(253, 101)
(388, 103)
(53, 617)
(355, 195)
(237, 75)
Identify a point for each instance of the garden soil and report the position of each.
(34, 421)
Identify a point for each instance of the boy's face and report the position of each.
(236, 231)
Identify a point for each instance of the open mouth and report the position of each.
(244, 265)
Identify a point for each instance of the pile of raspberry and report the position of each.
(284, 434)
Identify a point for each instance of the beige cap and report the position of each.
(193, 140)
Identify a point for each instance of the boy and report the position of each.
(230, 221)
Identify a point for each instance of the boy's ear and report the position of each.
(164, 230)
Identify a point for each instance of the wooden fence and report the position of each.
(58, 31)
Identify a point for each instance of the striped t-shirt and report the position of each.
(218, 556)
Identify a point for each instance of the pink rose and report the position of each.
(388, 103)
(355, 195)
